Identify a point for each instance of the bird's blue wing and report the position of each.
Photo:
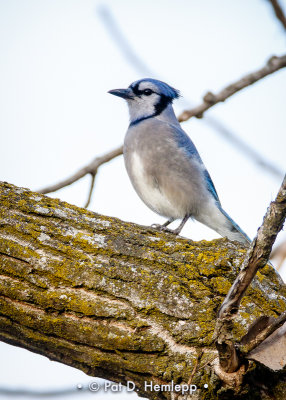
(211, 187)
(183, 140)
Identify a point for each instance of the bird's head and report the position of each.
(147, 98)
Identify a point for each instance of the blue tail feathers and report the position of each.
(234, 224)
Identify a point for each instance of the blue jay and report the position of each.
(164, 165)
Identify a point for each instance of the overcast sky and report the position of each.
(57, 63)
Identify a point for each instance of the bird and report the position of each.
(164, 165)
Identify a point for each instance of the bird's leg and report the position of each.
(180, 227)
(163, 226)
(168, 222)
(175, 231)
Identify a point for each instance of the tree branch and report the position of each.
(122, 43)
(114, 299)
(90, 168)
(279, 12)
(90, 190)
(274, 64)
(264, 334)
(258, 253)
(256, 258)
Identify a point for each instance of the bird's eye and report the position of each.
(147, 92)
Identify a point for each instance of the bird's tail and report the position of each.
(231, 230)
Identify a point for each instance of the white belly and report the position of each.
(149, 192)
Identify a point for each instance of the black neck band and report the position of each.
(136, 121)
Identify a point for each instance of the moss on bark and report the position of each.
(123, 301)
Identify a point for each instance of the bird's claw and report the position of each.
(156, 226)
(163, 228)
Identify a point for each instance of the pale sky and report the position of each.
(57, 64)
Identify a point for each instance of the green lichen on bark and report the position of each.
(115, 299)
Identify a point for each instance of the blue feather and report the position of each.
(234, 224)
(211, 187)
(183, 141)
(163, 87)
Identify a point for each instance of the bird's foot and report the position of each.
(163, 228)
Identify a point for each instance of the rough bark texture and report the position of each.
(125, 302)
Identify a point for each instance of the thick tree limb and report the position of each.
(256, 258)
(118, 300)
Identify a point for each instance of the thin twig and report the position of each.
(273, 64)
(90, 168)
(261, 336)
(120, 40)
(256, 258)
(278, 12)
(90, 190)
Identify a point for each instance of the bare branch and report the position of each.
(278, 12)
(273, 64)
(258, 253)
(256, 258)
(261, 336)
(90, 168)
(120, 40)
(90, 190)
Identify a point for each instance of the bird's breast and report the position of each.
(147, 186)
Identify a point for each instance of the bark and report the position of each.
(126, 302)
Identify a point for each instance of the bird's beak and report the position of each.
(124, 93)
